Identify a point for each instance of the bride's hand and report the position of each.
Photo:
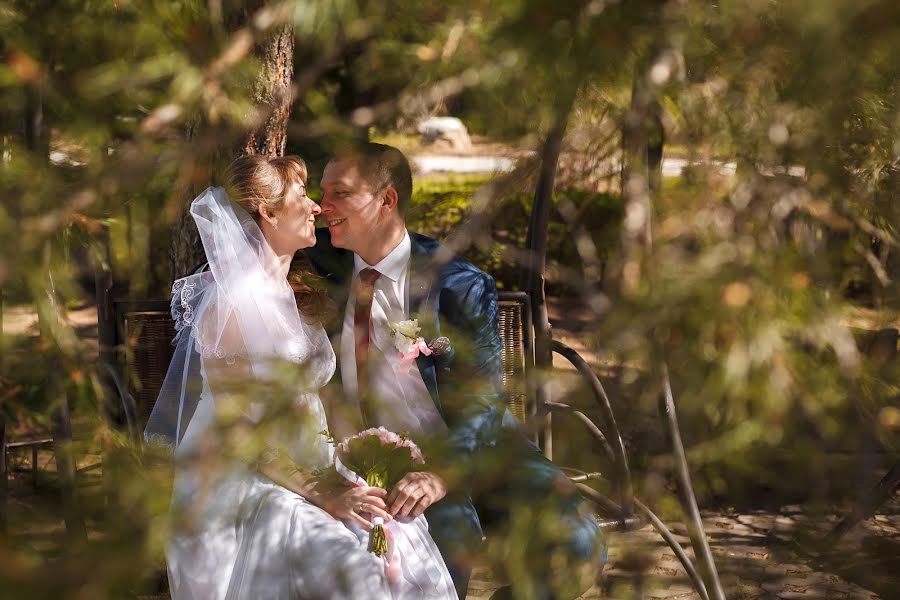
(356, 502)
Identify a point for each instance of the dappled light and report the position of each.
(648, 308)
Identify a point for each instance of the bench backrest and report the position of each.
(146, 330)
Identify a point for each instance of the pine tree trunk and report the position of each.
(272, 95)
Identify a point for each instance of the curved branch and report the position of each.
(660, 527)
(621, 460)
(686, 491)
(127, 402)
(592, 427)
(676, 548)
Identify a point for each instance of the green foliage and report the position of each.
(753, 292)
(440, 205)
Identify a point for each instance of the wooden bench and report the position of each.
(34, 445)
(139, 335)
(144, 331)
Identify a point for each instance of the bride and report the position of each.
(240, 405)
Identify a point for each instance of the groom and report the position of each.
(449, 401)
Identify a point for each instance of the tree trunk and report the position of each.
(636, 234)
(37, 134)
(185, 248)
(50, 314)
(642, 147)
(35, 128)
(4, 482)
(272, 92)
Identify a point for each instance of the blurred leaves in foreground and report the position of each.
(774, 257)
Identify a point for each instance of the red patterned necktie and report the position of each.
(362, 318)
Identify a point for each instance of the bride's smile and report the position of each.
(297, 217)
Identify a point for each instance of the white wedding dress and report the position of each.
(236, 534)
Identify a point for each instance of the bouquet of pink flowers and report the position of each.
(380, 457)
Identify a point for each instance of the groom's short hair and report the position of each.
(382, 166)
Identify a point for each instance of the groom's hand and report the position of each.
(416, 492)
(355, 504)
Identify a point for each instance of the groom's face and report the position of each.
(352, 209)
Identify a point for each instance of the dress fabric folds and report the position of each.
(246, 537)
(236, 534)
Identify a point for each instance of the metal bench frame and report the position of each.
(34, 445)
(133, 385)
(136, 347)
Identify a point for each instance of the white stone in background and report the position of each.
(674, 167)
(448, 132)
(58, 157)
(462, 164)
(435, 125)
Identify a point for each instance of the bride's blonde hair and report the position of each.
(256, 182)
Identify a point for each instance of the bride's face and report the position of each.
(296, 218)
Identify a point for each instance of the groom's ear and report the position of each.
(390, 198)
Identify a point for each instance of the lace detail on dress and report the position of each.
(211, 350)
(187, 292)
(183, 291)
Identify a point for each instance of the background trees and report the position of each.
(773, 253)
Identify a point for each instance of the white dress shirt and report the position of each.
(403, 402)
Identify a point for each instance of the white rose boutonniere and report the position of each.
(405, 333)
(410, 345)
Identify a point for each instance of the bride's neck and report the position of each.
(285, 255)
(285, 261)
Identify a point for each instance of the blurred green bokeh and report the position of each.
(774, 257)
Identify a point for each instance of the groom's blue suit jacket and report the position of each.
(451, 298)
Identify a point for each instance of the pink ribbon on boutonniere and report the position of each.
(409, 357)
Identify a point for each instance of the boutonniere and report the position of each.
(410, 345)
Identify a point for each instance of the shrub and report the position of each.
(440, 204)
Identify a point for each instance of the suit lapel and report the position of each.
(336, 266)
(421, 288)
(340, 293)
(422, 302)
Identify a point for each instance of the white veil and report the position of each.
(242, 308)
(243, 313)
